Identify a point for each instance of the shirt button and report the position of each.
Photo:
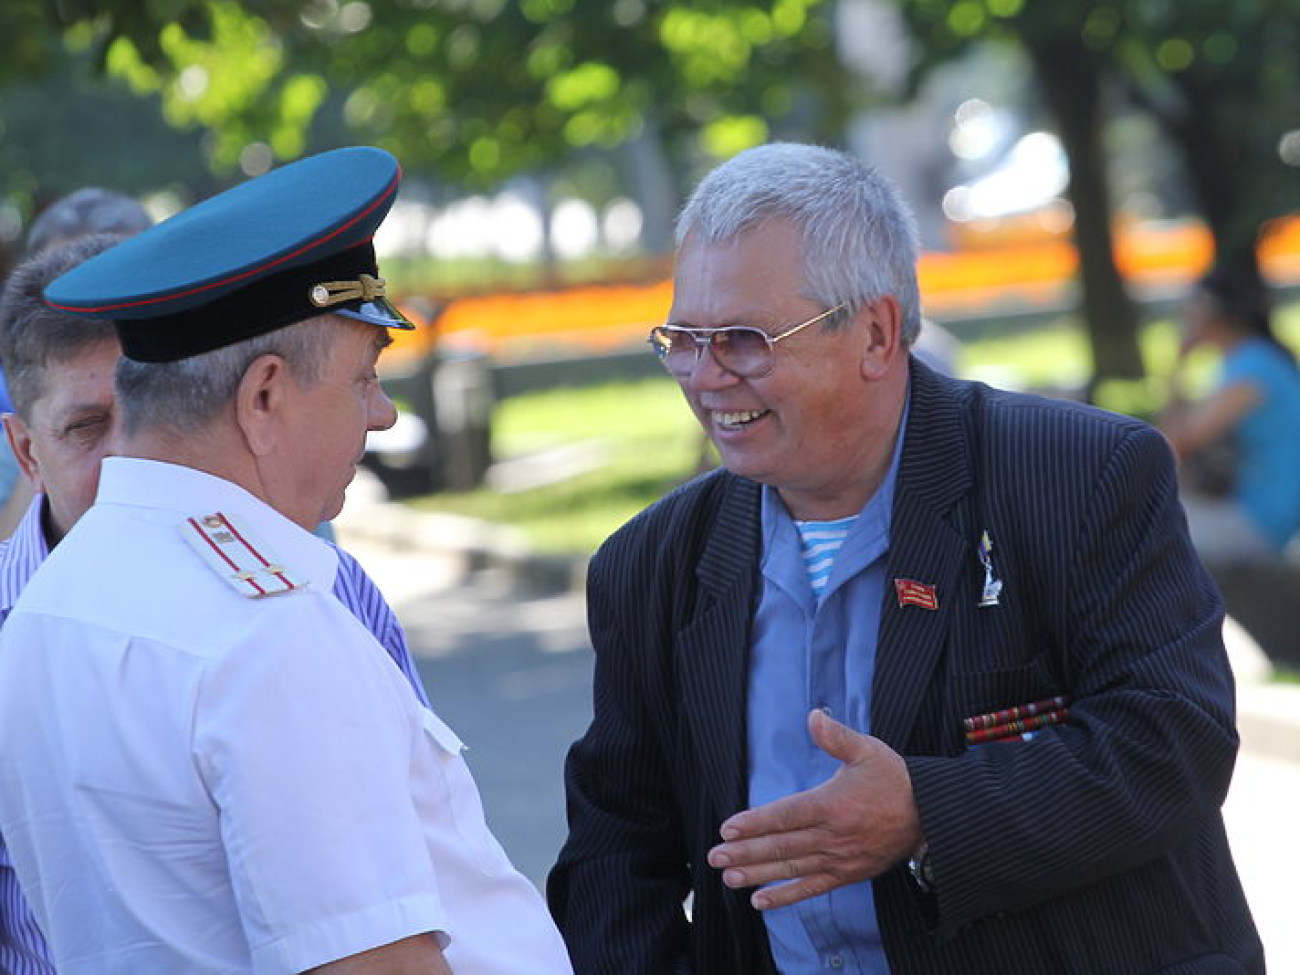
(836, 962)
(827, 710)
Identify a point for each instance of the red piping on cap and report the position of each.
(388, 190)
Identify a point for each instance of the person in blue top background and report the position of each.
(1250, 509)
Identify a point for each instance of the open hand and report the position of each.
(852, 827)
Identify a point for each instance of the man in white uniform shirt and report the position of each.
(207, 764)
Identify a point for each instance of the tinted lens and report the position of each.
(742, 350)
(675, 348)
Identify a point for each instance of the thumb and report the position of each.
(835, 739)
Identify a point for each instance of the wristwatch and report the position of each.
(921, 870)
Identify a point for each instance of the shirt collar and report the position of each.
(28, 540)
(187, 492)
(22, 553)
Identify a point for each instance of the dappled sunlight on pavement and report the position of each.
(1262, 811)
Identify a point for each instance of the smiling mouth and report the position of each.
(737, 419)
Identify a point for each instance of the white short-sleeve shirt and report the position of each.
(193, 780)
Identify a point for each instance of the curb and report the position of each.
(1268, 713)
(470, 546)
(1268, 720)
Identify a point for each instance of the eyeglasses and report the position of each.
(744, 350)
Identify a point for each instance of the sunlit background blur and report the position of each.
(1073, 165)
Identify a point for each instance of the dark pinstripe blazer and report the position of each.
(1097, 848)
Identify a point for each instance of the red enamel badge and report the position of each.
(913, 593)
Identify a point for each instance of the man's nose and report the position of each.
(383, 414)
(707, 372)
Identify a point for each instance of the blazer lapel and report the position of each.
(713, 649)
(927, 546)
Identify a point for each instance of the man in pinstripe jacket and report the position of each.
(927, 680)
(61, 371)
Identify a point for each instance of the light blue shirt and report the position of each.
(809, 654)
(1268, 438)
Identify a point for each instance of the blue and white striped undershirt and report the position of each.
(820, 542)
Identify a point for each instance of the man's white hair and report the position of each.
(859, 238)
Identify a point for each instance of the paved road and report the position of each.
(512, 676)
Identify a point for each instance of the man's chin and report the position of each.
(741, 463)
(330, 511)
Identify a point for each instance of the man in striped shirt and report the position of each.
(60, 371)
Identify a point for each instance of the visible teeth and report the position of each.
(736, 419)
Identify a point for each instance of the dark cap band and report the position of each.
(269, 303)
(246, 261)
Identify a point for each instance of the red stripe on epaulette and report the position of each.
(203, 534)
(288, 583)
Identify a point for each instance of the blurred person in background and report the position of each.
(90, 210)
(1240, 444)
(927, 680)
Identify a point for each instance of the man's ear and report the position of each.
(260, 402)
(20, 442)
(884, 335)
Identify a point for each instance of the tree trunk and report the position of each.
(1072, 86)
(1215, 159)
(654, 187)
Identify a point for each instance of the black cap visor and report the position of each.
(376, 311)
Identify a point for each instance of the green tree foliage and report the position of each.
(1070, 74)
(1222, 77)
(476, 90)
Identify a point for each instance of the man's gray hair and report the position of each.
(187, 394)
(859, 238)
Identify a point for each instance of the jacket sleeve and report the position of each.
(1147, 754)
(618, 887)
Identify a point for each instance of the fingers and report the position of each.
(760, 874)
(783, 895)
(805, 862)
(797, 867)
(852, 827)
(783, 856)
(754, 868)
(803, 810)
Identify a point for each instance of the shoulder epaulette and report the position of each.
(236, 555)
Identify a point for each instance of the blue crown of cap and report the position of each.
(245, 262)
(296, 215)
